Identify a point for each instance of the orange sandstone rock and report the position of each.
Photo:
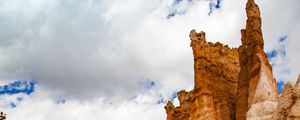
(216, 80)
(235, 84)
(257, 92)
(216, 75)
(289, 103)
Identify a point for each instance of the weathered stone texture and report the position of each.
(289, 103)
(216, 75)
(235, 84)
(257, 93)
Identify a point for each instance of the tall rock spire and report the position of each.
(235, 84)
(257, 92)
(216, 70)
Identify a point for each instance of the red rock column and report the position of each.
(202, 107)
(257, 92)
(198, 44)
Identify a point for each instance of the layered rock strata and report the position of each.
(233, 83)
(209, 100)
(216, 76)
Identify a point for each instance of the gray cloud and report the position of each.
(73, 46)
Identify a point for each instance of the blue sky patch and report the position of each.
(279, 86)
(17, 87)
(218, 4)
(176, 10)
(271, 54)
(283, 38)
(173, 96)
(214, 4)
(13, 105)
(160, 101)
(171, 14)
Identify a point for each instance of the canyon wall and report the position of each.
(235, 83)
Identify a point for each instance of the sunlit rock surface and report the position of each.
(235, 83)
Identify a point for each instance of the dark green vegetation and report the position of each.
(2, 116)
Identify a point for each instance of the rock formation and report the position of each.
(233, 83)
(289, 103)
(257, 93)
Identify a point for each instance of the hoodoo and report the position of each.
(235, 83)
(257, 93)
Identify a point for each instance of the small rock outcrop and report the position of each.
(289, 103)
(235, 83)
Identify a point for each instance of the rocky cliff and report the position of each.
(235, 83)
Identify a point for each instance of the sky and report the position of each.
(122, 59)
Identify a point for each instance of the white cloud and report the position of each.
(42, 107)
(282, 18)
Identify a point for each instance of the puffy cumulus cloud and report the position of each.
(72, 46)
(89, 48)
(42, 107)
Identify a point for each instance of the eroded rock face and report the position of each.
(257, 93)
(289, 103)
(183, 111)
(216, 80)
(295, 109)
(285, 102)
(233, 83)
(216, 75)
